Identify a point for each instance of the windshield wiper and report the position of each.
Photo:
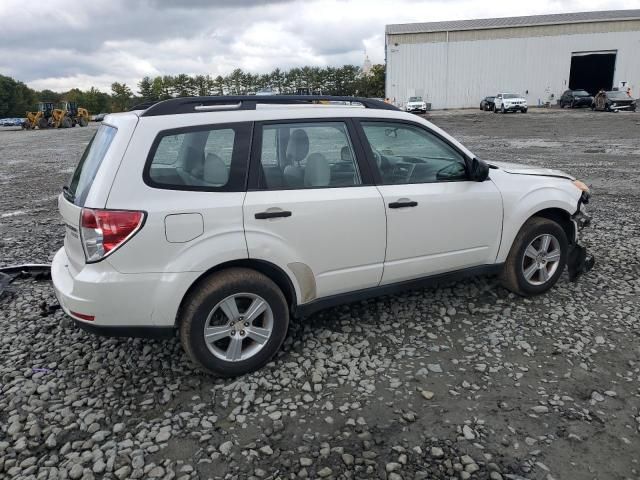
(68, 194)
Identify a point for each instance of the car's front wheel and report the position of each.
(234, 322)
(537, 257)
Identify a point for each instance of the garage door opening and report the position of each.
(592, 71)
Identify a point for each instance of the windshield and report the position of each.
(89, 163)
(511, 95)
(581, 93)
(415, 99)
(618, 95)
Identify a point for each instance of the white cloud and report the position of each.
(60, 44)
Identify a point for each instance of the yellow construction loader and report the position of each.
(39, 118)
(67, 115)
(77, 115)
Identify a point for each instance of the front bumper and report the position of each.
(579, 261)
(515, 108)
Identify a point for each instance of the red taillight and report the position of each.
(103, 231)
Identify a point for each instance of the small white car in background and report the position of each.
(220, 218)
(510, 102)
(416, 104)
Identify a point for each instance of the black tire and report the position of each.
(43, 123)
(83, 122)
(66, 123)
(495, 109)
(201, 302)
(502, 110)
(524, 110)
(561, 104)
(513, 277)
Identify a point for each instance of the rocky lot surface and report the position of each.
(465, 381)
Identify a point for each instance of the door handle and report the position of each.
(273, 214)
(406, 203)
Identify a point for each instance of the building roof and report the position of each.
(532, 20)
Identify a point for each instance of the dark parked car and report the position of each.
(613, 101)
(576, 98)
(487, 103)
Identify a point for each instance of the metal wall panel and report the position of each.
(459, 74)
(516, 32)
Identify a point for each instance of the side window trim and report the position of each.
(369, 152)
(255, 178)
(239, 157)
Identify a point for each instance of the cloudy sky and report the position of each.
(61, 44)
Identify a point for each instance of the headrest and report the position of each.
(317, 172)
(215, 171)
(298, 146)
(345, 154)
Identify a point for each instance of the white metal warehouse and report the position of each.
(456, 64)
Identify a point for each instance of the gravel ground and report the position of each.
(463, 381)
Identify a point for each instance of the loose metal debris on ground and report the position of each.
(465, 381)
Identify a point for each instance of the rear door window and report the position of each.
(200, 158)
(308, 155)
(89, 164)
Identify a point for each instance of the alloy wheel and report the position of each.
(541, 259)
(238, 327)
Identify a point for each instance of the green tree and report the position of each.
(121, 96)
(145, 88)
(183, 85)
(15, 98)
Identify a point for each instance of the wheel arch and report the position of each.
(270, 270)
(562, 218)
(556, 211)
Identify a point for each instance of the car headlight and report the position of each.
(581, 186)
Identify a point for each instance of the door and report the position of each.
(312, 208)
(437, 219)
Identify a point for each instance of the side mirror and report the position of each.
(478, 170)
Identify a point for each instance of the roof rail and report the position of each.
(174, 106)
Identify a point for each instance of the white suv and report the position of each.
(416, 104)
(510, 102)
(221, 217)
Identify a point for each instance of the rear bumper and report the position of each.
(120, 304)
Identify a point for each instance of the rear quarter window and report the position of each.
(213, 158)
(89, 164)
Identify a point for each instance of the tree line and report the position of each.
(16, 98)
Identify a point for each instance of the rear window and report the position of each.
(89, 164)
(200, 158)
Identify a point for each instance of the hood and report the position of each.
(517, 169)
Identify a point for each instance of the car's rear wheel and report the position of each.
(561, 104)
(537, 257)
(524, 110)
(234, 322)
(502, 109)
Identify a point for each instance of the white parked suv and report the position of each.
(416, 104)
(510, 102)
(223, 217)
